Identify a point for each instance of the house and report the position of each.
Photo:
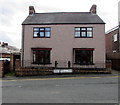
(8, 56)
(63, 39)
(113, 47)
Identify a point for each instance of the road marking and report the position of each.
(59, 78)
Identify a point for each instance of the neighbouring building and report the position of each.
(113, 47)
(8, 56)
(74, 39)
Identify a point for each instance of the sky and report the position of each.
(14, 12)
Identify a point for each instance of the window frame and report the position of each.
(115, 37)
(44, 56)
(81, 31)
(83, 49)
(44, 31)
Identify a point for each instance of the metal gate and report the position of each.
(6, 67)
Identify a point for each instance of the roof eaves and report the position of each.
(57, 23)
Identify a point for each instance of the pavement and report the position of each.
(64, 76)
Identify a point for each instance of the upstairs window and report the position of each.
(83, 32)
(115, 38)
(42, 32)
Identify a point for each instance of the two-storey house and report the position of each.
(74, 39)
(113, 47)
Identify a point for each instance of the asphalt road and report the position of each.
(61, 90)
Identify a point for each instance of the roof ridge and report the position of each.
(62, 12)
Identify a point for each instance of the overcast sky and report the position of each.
(14, 12)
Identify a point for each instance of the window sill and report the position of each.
(41, 63)
(83, 37)
(41, 37)
(84, 63)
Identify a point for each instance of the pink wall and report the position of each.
(62, 42)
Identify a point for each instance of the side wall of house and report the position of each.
(111, 45)
(62, 42)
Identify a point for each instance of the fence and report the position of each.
(115, 59)
(1, 69)
(62, 67)
(4, 67)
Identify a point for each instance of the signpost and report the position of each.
(63, 71)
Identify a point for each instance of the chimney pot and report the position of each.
(93, 9)
(31, 10)
(4, 44)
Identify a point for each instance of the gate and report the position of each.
(62, 64)
(6, 67)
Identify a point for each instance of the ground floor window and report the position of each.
(41, 56)
(83, 56)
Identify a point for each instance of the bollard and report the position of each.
(69, 64)
(56, 64)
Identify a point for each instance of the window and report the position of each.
(83, 32)
(84, 56)
(41, 56)
(115, 38)
(41, 32)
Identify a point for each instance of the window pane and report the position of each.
(34, 58)
(77, 28)
(77, 34)
(83, 34)
(47, 34)
(47, 29)
(47, 56)
(115, 38)
(35, 34)
(89, 34)
(83, 28)
(41, 56)
(41, 34)
(83, 57)
(36, 29)
(89, 29)
(41, 29)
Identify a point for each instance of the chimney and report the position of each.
(31, 10)
(93, 9)
(4, 44)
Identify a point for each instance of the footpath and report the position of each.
(113, 74)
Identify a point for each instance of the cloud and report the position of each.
(13, 13)
(5, 38)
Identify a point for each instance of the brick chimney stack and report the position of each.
(31, 10)
(4, 44)
(93, 9)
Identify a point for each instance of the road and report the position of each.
(61, 90)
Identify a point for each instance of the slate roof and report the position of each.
(63, 18)
(9, 49)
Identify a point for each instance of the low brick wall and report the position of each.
(1, 69)
(108, 64)
(33, 72)
(17, 64)
(49, 71)
(93, 70)
(116, 64)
